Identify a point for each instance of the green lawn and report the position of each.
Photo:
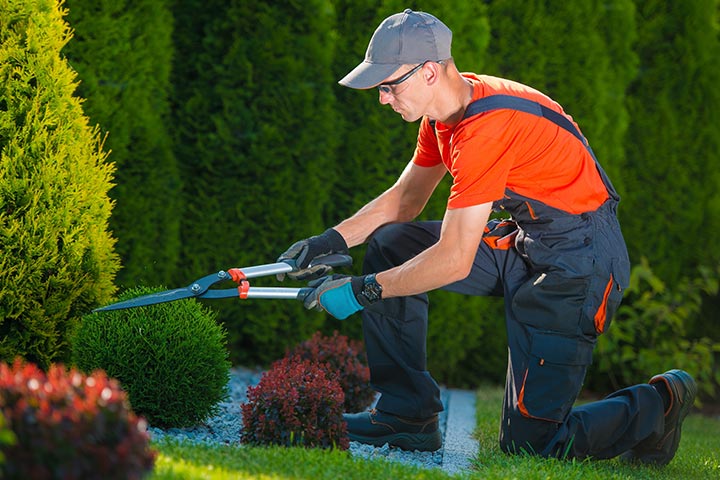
(179, 461)
(698, 458)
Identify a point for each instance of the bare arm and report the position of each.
(400, 203)
(448, 261)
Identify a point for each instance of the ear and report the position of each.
(431, 72)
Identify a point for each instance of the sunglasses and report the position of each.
(387, 86)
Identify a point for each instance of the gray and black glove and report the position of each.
(305, 251)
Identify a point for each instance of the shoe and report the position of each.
(378, 428)
(660, 449)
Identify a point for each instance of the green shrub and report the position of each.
(346, 360)
(648, 334)
(295, 404)
(68, 425)
(171, 357)
(57, 260)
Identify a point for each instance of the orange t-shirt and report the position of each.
(508, 149)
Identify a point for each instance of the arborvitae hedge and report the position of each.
(56, 260)
(257, 131)
(619, 32)
(672, 210)
(375, 143)
(271, 149)
(122, 51)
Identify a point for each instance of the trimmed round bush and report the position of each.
(347, 360)
(68, 425)
(295, 404)
(171, 357)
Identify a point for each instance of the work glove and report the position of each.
(338, 295)
(305, 251)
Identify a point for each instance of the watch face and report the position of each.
(372, 290)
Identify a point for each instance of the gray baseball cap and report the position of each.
(404, 38)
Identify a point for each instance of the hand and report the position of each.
(336, 294)
(305, 251)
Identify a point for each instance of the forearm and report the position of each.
(447, 261)
(358, 228)
(400, 203)
(434, 268)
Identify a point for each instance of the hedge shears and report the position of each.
(201, 288)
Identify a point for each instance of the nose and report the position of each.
(384, 97)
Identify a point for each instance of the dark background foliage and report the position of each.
(231, 139)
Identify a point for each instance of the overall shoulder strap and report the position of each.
(496, 102)
(510, 102)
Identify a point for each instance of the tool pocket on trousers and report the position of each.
(554, 376)
(604, 297)
(551, 301)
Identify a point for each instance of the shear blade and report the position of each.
(151, 299)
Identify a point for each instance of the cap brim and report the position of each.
(368, 75)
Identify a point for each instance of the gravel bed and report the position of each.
(224, 428)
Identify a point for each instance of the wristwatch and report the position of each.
(371, 291)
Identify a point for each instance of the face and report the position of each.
(397, 92)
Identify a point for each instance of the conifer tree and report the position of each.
(256, 137)
(122, 52)
(672, 207)
(57, 260)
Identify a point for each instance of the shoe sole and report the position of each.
(424, 442)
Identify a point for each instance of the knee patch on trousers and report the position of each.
(547, 390)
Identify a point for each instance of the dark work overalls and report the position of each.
(562, 277)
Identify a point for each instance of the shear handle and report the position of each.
(332, 260)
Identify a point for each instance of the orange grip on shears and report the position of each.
(243, 289)
(237, 275)
(243, 285)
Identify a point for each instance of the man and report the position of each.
(560, 261)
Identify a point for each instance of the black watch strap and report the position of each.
(371, 291)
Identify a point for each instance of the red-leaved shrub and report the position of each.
(295, 404)
(346, 359)
(70, 426)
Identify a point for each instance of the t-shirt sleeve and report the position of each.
(480, 166)
(427, 152)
